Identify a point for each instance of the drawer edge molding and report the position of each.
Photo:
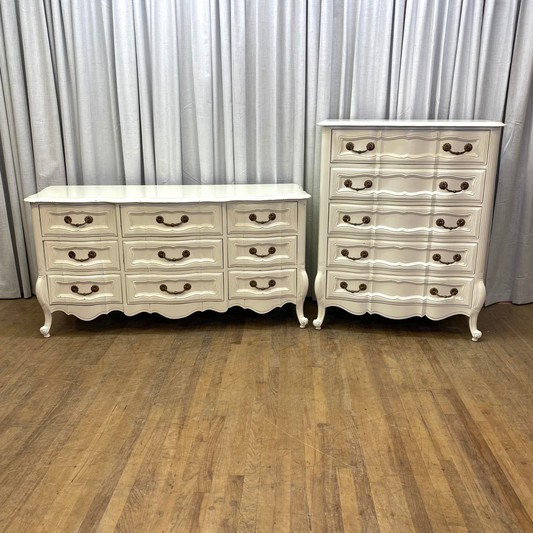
(400, 290)
(263, 284)
(165, 288)
(410, 146)
(155, 220)
(86, 289)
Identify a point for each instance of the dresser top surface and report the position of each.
(168, 193)
(384, 123)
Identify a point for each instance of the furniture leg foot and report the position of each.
(317, 323)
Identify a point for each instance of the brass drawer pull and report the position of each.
(367, 184)
(344, 285)
(160, 220)
(87, 219)
(346, 253)
(447, 147)
(75, 289)
(271, 217)
(184, 255)
(435, 292)
(441, 223)
(271, 251)
(369, 147)
(186, 287)
(90, 255)
(444, 186)
(456, 259)
(364, 220)
(271, 283)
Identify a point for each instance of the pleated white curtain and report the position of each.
(222, 91)
(510, 265)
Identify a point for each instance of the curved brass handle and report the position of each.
(271, 283)
(444, 186)
(344, 285)
(186, 287)
(271, 251)
(75, 289)
(90, 255)
(456, 259)
(87, 220)
(441, 223)
(271, 217)
(350, 147)
(160, 220)
(364, 220)
(367, 184)
(447, 147)
(435, 292)
(184, 255)
(346, 253)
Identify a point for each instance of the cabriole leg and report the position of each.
(303, 285)
(42, 296)
(478, 301)
(476, 334)
(320, 291)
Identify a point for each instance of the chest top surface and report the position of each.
(169, 193)
(414, 123)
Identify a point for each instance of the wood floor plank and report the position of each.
(238, 422)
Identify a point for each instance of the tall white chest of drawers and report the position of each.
(405, 212)
(169, 249)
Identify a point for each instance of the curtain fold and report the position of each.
(510, 263)
(230, 91)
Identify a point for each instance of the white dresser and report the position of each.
(405, 214)
(169, 249)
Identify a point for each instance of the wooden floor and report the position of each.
(241, 422)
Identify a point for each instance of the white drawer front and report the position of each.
(449, 222)
(82, 220)
(182, 219)
(263, 217)
(410, 146)
(439, 258)
(174, 288)
(81, 255)
(171, 254)
(408, 184)
(262, 285)
(86, 290)
(262, 252)
(400, 290)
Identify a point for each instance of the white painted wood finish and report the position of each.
(66, 220)
(263, 218)
(410, 184)
(404, 224)
(409, 146)
(405, 221)
(92, 289)
(264, 252)
(80, 255)
(267, 283)
(112, 252)
(171, 220)
(173, 254)
(399, 291)
(409, 257)
(146, 289)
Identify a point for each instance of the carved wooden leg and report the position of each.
(303, 285)
(42, 296)
(478, 301)
(320, 291)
